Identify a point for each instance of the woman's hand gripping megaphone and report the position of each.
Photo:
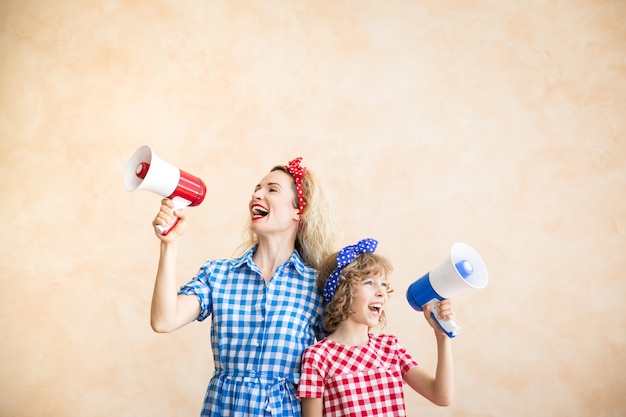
(171, 215)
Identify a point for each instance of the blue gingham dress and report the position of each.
(258, 333)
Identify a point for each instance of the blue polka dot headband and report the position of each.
(344, 258)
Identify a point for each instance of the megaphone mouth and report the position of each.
(142, 169)
(461, 253)
(137, 168)
(146, 171)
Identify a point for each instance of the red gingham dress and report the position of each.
(356, 380)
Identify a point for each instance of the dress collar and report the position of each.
(294, 260)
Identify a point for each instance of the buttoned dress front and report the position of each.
(259, 332)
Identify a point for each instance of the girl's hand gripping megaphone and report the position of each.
(463, 269)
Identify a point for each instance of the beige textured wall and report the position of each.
(498, 123)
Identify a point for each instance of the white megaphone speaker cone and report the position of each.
(463, 269)
(146, 171)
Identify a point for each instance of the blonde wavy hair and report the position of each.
(337, 310)
(316, 236)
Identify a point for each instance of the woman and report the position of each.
(264, 307)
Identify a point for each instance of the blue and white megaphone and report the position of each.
(464, 268)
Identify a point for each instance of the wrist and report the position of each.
(441, 336)
(168, 246)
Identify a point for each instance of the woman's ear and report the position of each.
(296, 215)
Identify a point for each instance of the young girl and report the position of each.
(353, 372)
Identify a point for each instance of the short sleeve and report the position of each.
(405, 359)
(311, 383)
(199, 286)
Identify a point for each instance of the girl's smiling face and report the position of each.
(369, 300)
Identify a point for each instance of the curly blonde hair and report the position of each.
(316, 236)
(337, 310)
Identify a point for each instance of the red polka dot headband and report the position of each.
(297, 172)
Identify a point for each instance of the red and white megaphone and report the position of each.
(463, 268)
(146, 171)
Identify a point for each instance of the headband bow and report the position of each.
(298, 172)
(344, 258)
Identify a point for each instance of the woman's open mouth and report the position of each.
(258, 211)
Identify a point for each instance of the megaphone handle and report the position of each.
(448, 326)
(179, 203)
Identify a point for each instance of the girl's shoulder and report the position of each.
(318, 351)
(383, 339)
(320, 345)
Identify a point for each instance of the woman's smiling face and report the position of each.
(272, 203)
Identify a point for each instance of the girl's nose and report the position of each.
(380, 289)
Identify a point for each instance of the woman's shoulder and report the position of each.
(302, 267)
(220, 263)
